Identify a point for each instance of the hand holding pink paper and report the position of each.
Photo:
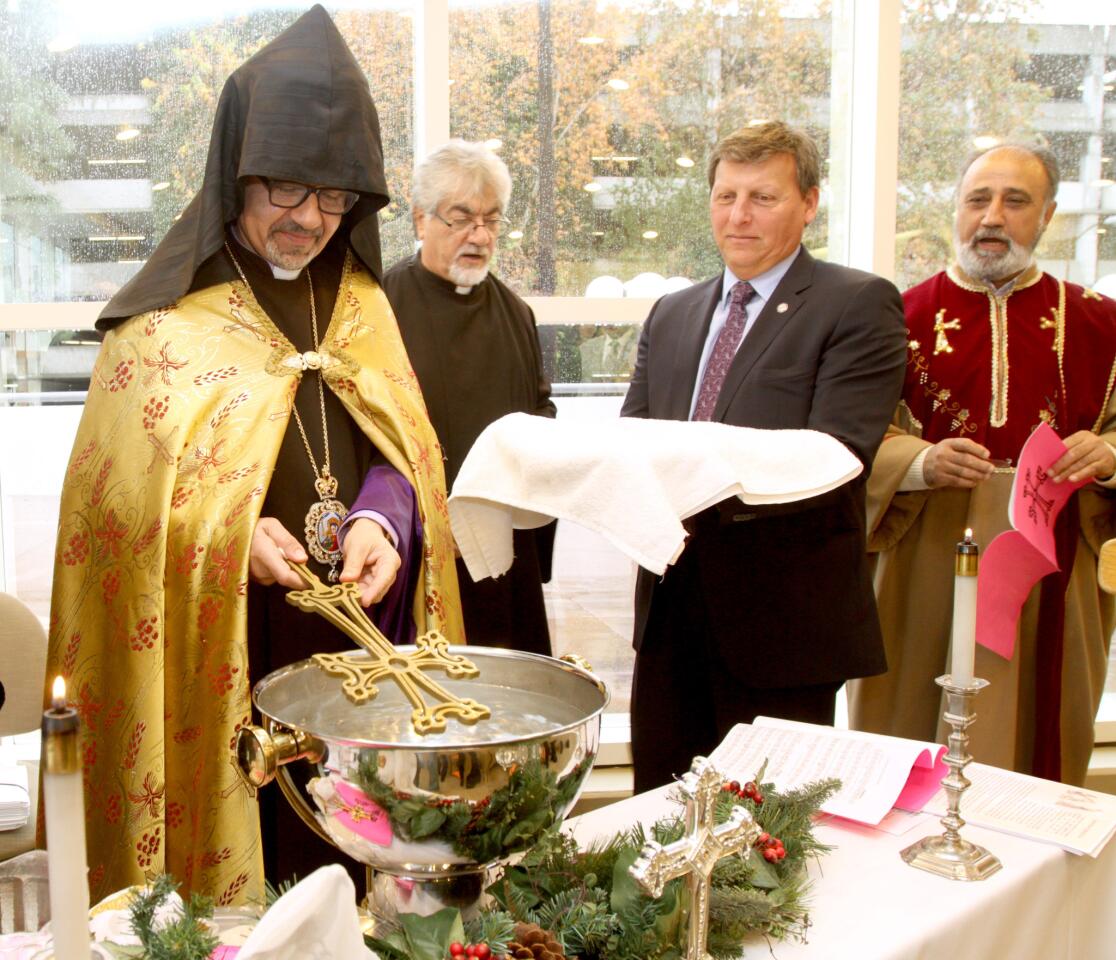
(1017, 559)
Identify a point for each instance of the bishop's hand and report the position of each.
(370, 560)
(956, 462)
(272, 546)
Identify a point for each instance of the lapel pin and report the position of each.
(782, 308)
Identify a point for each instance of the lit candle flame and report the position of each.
(58, 694)
(969, 534)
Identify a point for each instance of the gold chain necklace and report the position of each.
(325, 516)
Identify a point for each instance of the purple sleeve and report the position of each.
(386, 492)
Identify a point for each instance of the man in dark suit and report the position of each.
(769, 609)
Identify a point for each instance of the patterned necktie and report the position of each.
(723, 351)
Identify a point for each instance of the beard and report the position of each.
(293, 260)
(989, 267)
(464, 276)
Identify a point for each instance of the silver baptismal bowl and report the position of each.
(431, 814)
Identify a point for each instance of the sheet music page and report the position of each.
(1073, 818)
(873, 770)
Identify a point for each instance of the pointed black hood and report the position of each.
(300, 109)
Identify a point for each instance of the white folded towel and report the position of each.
(315, 920)
(631, 480)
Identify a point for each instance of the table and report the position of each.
(867, 904)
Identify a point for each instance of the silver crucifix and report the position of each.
(697, 852)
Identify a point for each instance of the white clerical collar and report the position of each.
(279, 273)
(462, 291)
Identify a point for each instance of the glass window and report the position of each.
(1010, 76)
(605, 114)
(110, 117)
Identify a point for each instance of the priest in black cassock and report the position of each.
(475, 349)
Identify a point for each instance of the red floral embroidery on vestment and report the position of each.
(76, 550)
(110, 537)
(99, 483)
(122, 375)
(209, 610)
(69, 656)
(188, 734)
(189, 558)
(221, 679)
(150, 798)
(110, 585)
(145, 635)
(175, 811)
(114, 809)
(147, 847)
(223, 563)
(232, 890)
(134, 741)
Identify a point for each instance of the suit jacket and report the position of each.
(786, 588)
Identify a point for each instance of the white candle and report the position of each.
(963, 643)
(64, 808)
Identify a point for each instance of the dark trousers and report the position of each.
(685, 699)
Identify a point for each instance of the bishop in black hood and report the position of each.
(300, 109)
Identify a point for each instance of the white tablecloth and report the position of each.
(867, 904)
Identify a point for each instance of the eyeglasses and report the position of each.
(290, 194)
(494, 225)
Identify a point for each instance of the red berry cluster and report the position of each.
(480, 951)
(771, 847)
(748, 792)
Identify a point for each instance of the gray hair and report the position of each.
(1040, 152)
(460, 169)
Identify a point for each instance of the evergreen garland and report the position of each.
(185, 938)
(510, 819)
(590, 903)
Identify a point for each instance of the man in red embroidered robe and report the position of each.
(995, 348)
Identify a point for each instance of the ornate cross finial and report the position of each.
(697, 852)
(340, 605)
(941, 325)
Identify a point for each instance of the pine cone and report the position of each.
(532, 942)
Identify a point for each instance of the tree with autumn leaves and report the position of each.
(610, 97)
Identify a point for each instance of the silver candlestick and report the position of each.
(949, 855)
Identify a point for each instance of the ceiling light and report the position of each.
(598, 233)
(617, 84)
(1102, 230)
(130, 261)
(515, 235)
(590, 41)
(758, 122)
(624, 159)
(592, 186)
(128, 133)
(107, 162)
(985, 141)
(161, 185)
(650, 234)
(113, 239)
(494, 144)
(61, 44)
(684, 162)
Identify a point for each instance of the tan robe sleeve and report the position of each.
(890, 514)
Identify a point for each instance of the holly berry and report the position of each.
(763, 838)
(770, 854)
(457, 949)
(483, 951)
(474, 951)
(471, 950)
(734, 786)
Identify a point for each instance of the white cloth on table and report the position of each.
(631, 480)
(315, 920)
